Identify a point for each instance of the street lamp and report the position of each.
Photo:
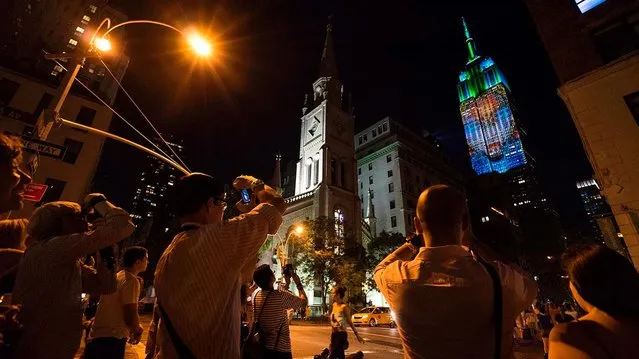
(96, 45)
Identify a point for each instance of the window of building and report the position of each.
(333, 171)
(371, 193)
(93, 9)
(85, 116)
(393, 221)
(365, 138)
(390, 173)
(361, 185)
(392, 204)
(316, 174)
(45, 100)
(361, 199)
(8, 89)
(617, 38)
(73, 150)
(585, 5)
(374, 133)
(632, 101)
(54, 190)
(309, 169)
(385, 127)
(85, 19)
(73, 42)
(370, 179)
(79, 31)
(359, 170)
(391, 187)
(370, 166)
(379, 129)
(359, 140)
(389, 158)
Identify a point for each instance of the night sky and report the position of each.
(237, 111)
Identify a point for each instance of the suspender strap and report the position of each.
(498, 306)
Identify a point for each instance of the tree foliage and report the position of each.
(323, 261)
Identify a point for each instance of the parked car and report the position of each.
(374, 316)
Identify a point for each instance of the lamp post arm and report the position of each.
(95, 131)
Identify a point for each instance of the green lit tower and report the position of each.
(486, 109)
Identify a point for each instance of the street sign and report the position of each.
(33, 145)
(34, 192)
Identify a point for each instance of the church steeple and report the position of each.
(470, 43)
(328, 86)
(328, 65)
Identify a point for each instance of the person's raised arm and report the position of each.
(347, 314)
(117, 226)
(386, 271)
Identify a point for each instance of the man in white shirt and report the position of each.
(197, 280)
(117, 317)
(443, 298)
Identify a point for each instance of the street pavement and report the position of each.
(308, 340)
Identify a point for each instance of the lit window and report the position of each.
(73, 42)
(93, 9)
(585, 5)
(79, 29)
(85, 19)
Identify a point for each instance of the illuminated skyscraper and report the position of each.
(486, 109)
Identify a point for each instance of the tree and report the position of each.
(322, 259)
(377, 249)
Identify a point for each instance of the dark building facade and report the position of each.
(594, 48)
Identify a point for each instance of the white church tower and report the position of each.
(326, 181)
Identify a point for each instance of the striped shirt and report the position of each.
(197, 282)
(50, 283)
(272, 316)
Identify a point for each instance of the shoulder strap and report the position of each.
(498, 305)
(257, 317)
(181, 348)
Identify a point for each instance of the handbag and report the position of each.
(255, 346)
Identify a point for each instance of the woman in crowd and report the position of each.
(545, 325)
(606, 285)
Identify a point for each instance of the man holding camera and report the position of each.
(443, 297)
(197, 280)
(51, 278)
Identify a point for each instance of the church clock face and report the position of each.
(313, 127)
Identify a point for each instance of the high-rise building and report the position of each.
(149, 200)
(28, 28)
(487, 113)
(602, 222)
(594, 48)
(394, 165)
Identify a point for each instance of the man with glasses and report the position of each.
(52, 278)
(197, 280)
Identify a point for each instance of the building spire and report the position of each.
(328, 66)
(370, 212)
(470, 43)
(276, 180)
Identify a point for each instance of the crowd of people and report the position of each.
(451, 297)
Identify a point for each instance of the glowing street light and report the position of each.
(200, 45)
(102, 44)
(299, 230)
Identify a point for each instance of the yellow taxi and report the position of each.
(374, 316)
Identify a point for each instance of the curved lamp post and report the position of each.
(52, 114)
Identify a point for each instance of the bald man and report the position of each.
(441, 295)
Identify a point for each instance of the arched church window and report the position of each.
(333, 172)
(316, 177)
(309, 170)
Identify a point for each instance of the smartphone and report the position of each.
(246, 195)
